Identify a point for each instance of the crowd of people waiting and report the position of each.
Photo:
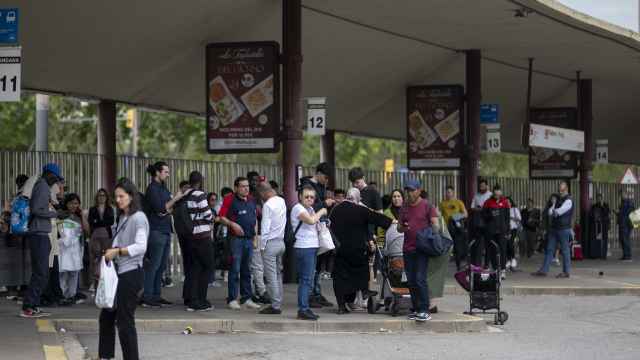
(244, 234)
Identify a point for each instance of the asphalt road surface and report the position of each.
(540, 327)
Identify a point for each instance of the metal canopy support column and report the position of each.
(292, 105)
(107, 143)
(328, 154)
(585, 107)
(292, 102)
(474, 97)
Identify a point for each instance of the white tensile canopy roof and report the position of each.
(360, 54)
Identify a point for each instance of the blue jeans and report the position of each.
(415, 266)
(39, 247)
(625, 240)
(158, 248)
(306, 267)
(241, 252)
(553, 237)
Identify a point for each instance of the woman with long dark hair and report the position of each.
(129, 245)
(101, 218)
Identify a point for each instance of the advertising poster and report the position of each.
(545, 163)
(243, 106)
(435, 127)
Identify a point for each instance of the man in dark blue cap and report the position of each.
(38, 238)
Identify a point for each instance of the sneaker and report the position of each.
(234, 305)
(324, 302)
(215, 284)
(556, 262)
(539, 274)
(33, 313)
(168, 283)
(200, 308)
(562, 275)
(79, 301)
(422, 317)
(165, 303)
(307, 315)
(249, 304)
(270, 311)
(433, 310)
(412, 316)
(66, 302)
(150, 304)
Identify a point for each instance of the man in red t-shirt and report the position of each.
(416, 215)
(497, 213)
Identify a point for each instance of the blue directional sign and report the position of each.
(8, 26)
(489, 114)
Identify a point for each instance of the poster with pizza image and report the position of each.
(434, 127)
(242, 87)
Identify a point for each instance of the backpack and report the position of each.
(289, 231)
(20, 213)
(182, 218)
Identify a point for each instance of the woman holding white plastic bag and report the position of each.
(129, 245)
(71, 229)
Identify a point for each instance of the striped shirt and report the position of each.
(201, 215)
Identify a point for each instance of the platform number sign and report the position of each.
(602, 151)
(493, 140)
(316, 116)
(10, 68)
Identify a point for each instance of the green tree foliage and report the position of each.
(72, 128)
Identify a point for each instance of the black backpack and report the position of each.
(182, 218)
(289, 231)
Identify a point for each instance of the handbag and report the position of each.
(325, 239)
(434, 243)
(107, 285)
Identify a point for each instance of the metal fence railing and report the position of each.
(82, 176)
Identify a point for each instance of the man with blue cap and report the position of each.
(38, 238)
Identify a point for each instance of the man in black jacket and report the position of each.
(38, 239)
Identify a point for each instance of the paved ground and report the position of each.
(536, 321)
(540, 327)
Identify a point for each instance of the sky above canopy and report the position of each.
(619, 12)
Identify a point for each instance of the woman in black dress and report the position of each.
(350, 225)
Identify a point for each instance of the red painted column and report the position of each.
(474, 98)
(292, 100)
(585, 107)
(107, 142)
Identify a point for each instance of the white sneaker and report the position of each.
(249, 304)
(556, 262)
(503, 275)
(234, 305)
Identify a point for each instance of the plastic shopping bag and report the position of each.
(635, 218)
(325, 239)
(107, 285)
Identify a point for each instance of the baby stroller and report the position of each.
(394, 291)
(483, 287)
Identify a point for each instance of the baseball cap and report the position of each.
(54, 169)
(412, 184)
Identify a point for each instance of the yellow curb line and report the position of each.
(45, 326)
(54, 352)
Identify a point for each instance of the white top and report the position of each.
(479, 199)
(274, 219)
(307, 236)
(566, 206)
(516, 218)
(71, 245)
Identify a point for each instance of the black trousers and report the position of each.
(187, 263)
(501, 240)
(201, 269)
(40, 247)
(478, 235)
(123, 317)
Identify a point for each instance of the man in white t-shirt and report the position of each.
(477, 221)
(271, 245)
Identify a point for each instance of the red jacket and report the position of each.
(497, 214)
